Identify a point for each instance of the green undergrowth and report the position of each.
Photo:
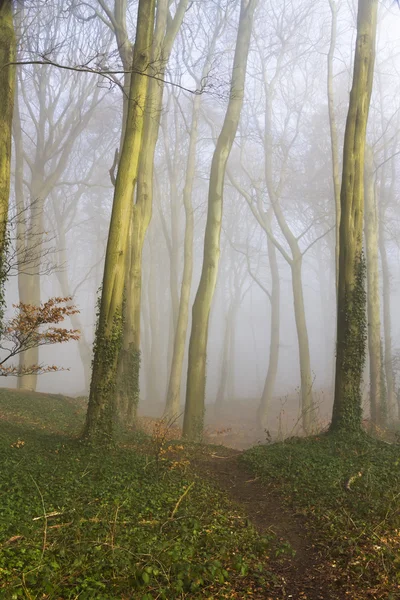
(82, 523)
(52, 413)
(349, 488)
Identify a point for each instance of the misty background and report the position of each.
(69, 126)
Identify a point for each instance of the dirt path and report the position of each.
(304, 576)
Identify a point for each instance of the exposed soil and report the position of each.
(301, 575)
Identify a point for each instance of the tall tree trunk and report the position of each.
(7, 92)
(387, 318)
(273, 361)
(226, 387)
(129, 363)
(102, 399)
(155, 360)
(351, 325)
(307, 404)
(29, 277)
(172, 406)
(196, 378)
(295, 262)
(377, 401)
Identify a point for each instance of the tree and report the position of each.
(166, 29)
(52, 111)
(333, 132)
(7, 86)
(172, 406)
(351, 322)
(377, 396)
(99, 424)
(196, 377)
(32, 327)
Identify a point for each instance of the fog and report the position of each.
(67, 127)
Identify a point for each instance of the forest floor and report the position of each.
(307, 519)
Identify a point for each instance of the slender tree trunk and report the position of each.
(351, 322)
(7, 92)
(155, 360)
(102, 399)
(334, 134)
(307, 404)
(377, 402)
(387, 318)
(273, 361)
(172, 406)
(29, 277)
(27, 253)
(196, 378)
(226, 386)
(295, 262)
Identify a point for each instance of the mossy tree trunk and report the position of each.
(165, 33)
(351, 321)
(196, 377)
(100, 416)
(377, 396)
(7, 91)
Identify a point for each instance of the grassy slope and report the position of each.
(360, 527)
(118, 524)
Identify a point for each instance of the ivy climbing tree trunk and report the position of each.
(102, 399)
(196, 377)
(7, 87)
(351, 321)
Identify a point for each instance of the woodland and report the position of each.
(199, 347)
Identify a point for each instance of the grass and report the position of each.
(359, 528)
(77, 523)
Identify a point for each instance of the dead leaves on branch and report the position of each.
(33, 326)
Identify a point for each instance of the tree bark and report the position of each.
(172, 406)
(273, 361)
(387, 318)
(334, 134)
(196, 379)
(100, 416)
(7, 91)
(377, 400)
(129, 361)
(351, 322)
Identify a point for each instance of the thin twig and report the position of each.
(180, 500)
